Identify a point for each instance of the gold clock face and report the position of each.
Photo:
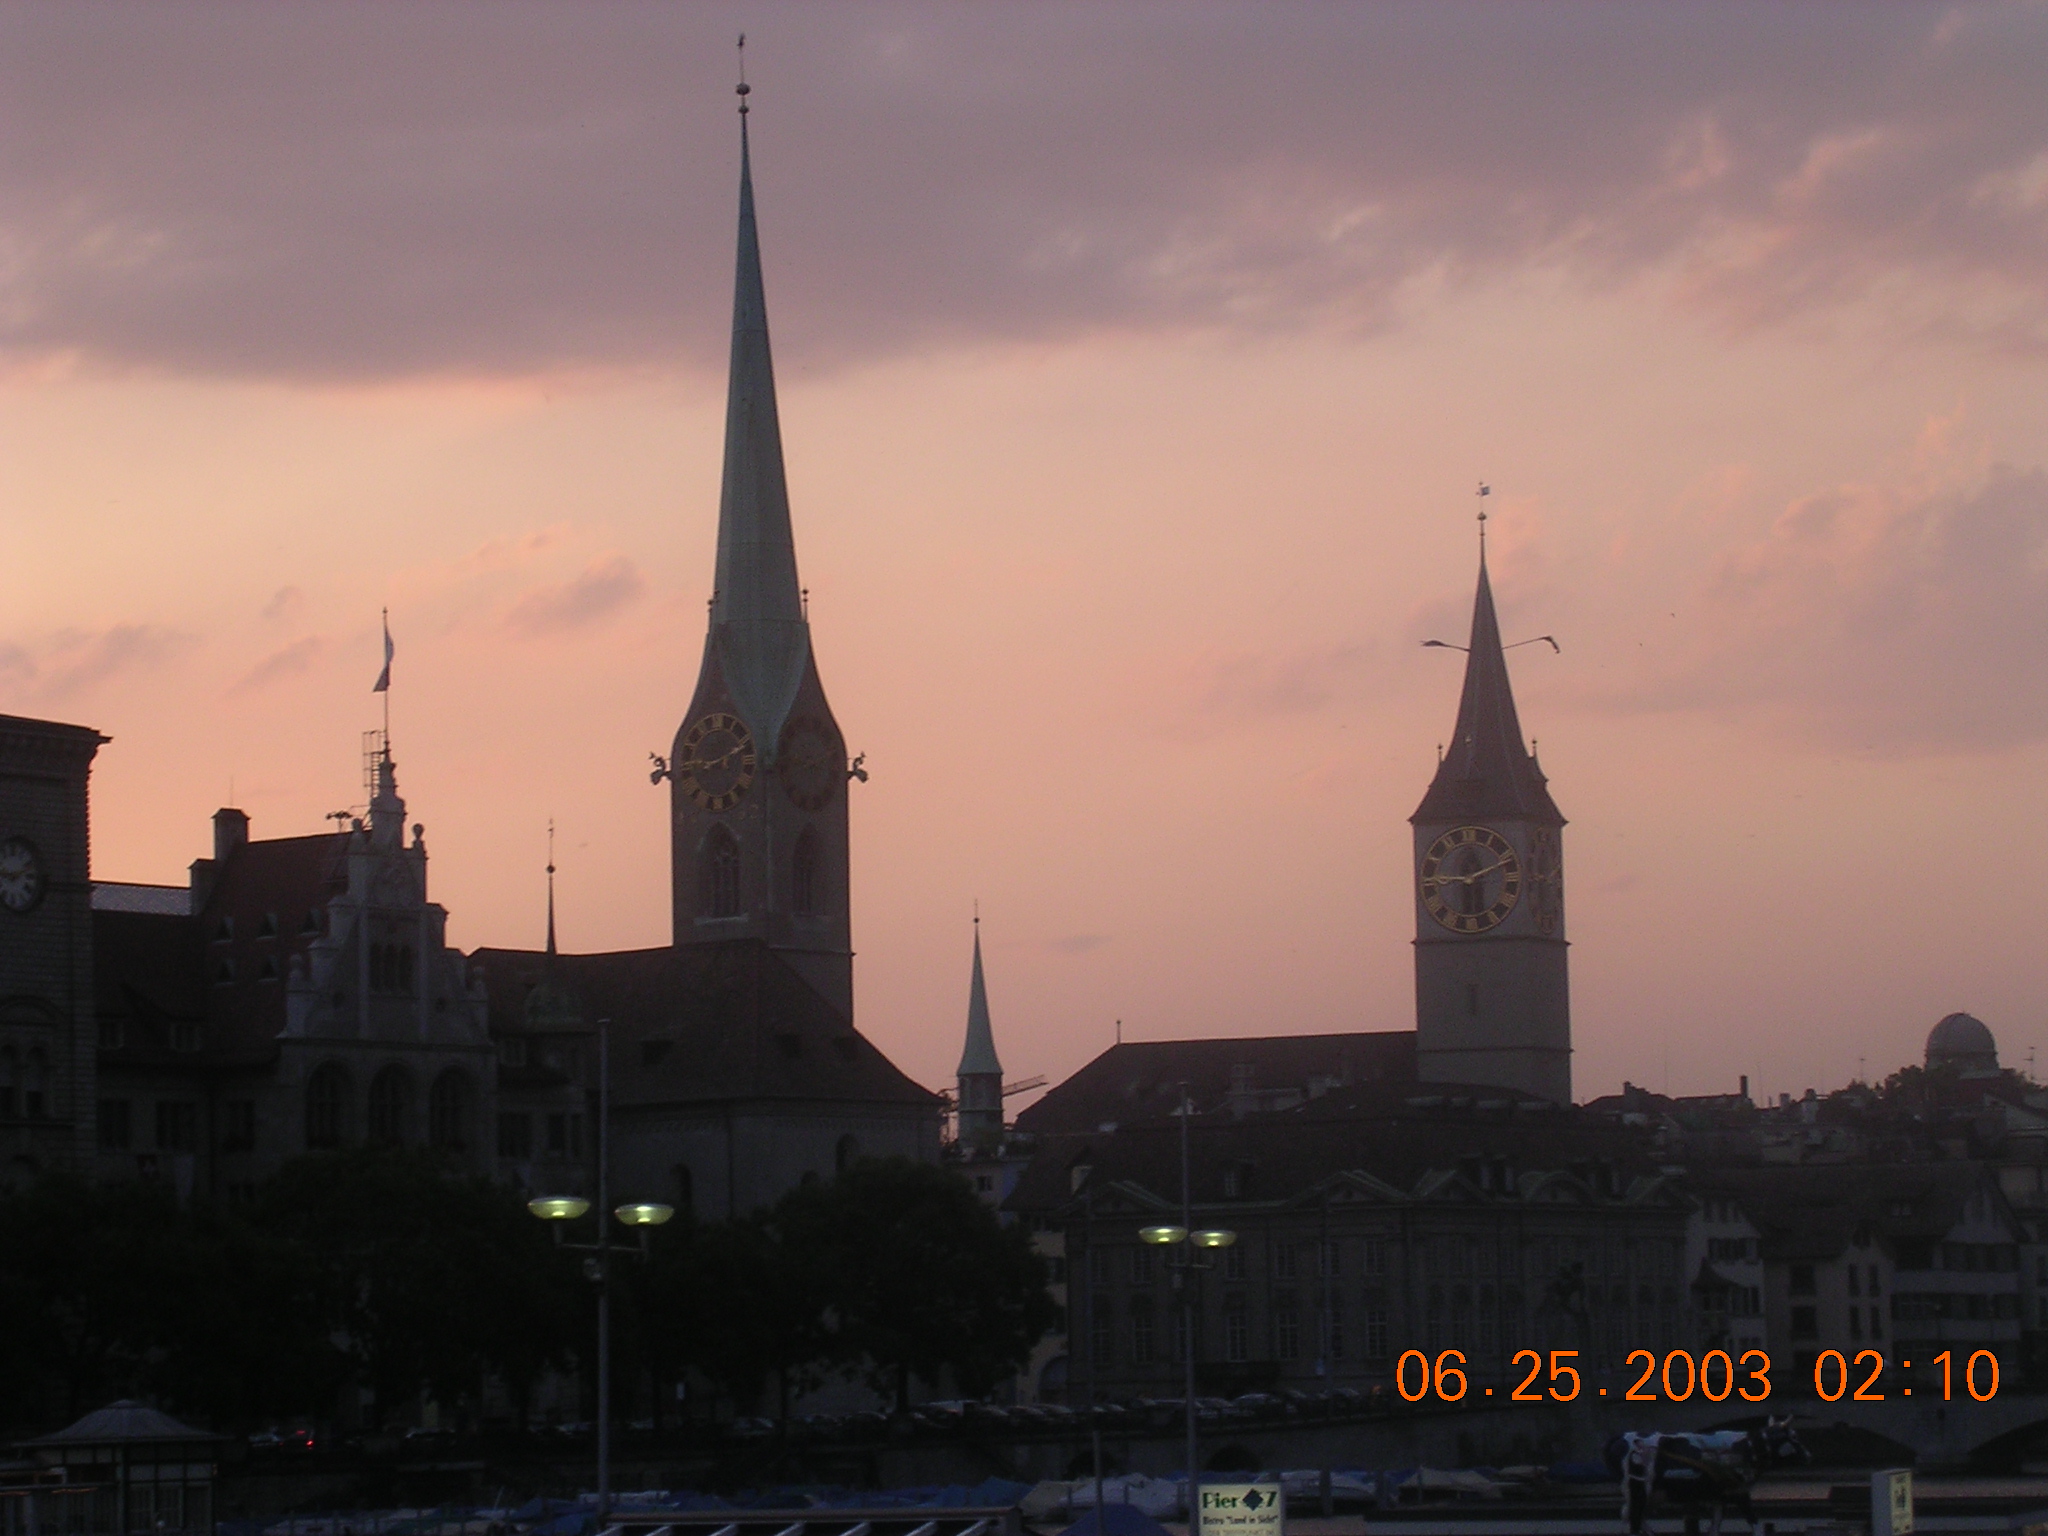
(1470, 879)
(811, 762)
(716, 763)
(21, 875)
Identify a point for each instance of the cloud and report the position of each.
(74, 663)
(1079, 943)
(1211, 686)
(285, 605)
(352, 191)
(292, 661)
(1905, 618)
(604, 588)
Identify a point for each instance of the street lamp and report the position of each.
(1184, 1266)
(641, 1215)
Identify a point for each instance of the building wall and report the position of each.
(47, 1036)
(745, 1157)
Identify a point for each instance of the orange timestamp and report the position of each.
(1679, 1374)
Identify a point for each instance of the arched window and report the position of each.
(448, 1112)
(35, 1097)
(719, 873)
(390, 1107)
(326, 1106)
(803, 874)
(846, 1154)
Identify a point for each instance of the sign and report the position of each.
(1241, 1509)
(1891, 1503)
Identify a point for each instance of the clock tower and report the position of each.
(758, 773)
(1492, 1005)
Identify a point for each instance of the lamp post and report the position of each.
(639, 1215)
(1184, 1266)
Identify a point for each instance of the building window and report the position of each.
(719, 874)
(1875, 1292)
(1101, 1338)
(1141, 1265)
(515, 1135)
(1856, 1324)
(448, 1112)
(1330, 1256)
(565, 1136)
(512, 1050)
(1284, 1261)
(1372, 1256)
(391, 969)
(803, 875)
(115, 1132)
(1376, 1333)
(1233, 1262)
(1142, 1337)
(1333, 1328)
(1801, 1283)
(1286, 1329)
(177, 1125)
(238, 1125)
(1237, 1332)
(1098, 1266)
(390, 1107)
(326, 1094)
(1805, 1322)
(686, 1190)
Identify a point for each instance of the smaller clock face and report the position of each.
(716, 763)
(811, 762)
(1470, 879)
(21, 875)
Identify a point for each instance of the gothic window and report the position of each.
(390, 1103)
(448, 1112)
(803, 883)
(326, 1103)
(719, 874)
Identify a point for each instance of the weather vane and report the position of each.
(743, 88)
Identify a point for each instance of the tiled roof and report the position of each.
(124, 1422)
(1140, 1079)
(713, 1023)
(125, 896)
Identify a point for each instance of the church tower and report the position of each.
(979, 1101)
(758, 772)
(1492, 1004)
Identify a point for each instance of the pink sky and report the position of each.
(1137, 365)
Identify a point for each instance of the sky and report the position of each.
(1138, 365)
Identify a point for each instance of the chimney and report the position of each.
(1745, 1087)
(230, 831)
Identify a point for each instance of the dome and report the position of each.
(1962, 1041)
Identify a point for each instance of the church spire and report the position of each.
(978, 1101)
(978, 1057)
(1487, 771)
(551, 888)
(757, 617)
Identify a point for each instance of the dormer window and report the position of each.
(311, 925)
(224, 973)
(267, 929)
(223, 930)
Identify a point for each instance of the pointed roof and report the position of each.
(978, 1059)
(1487, 771)
(124, 1423)
(758, 631)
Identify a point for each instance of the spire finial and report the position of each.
(742, 89)
(1485, 491)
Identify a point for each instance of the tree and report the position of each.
(920, 1276)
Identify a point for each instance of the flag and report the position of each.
(384, 677)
